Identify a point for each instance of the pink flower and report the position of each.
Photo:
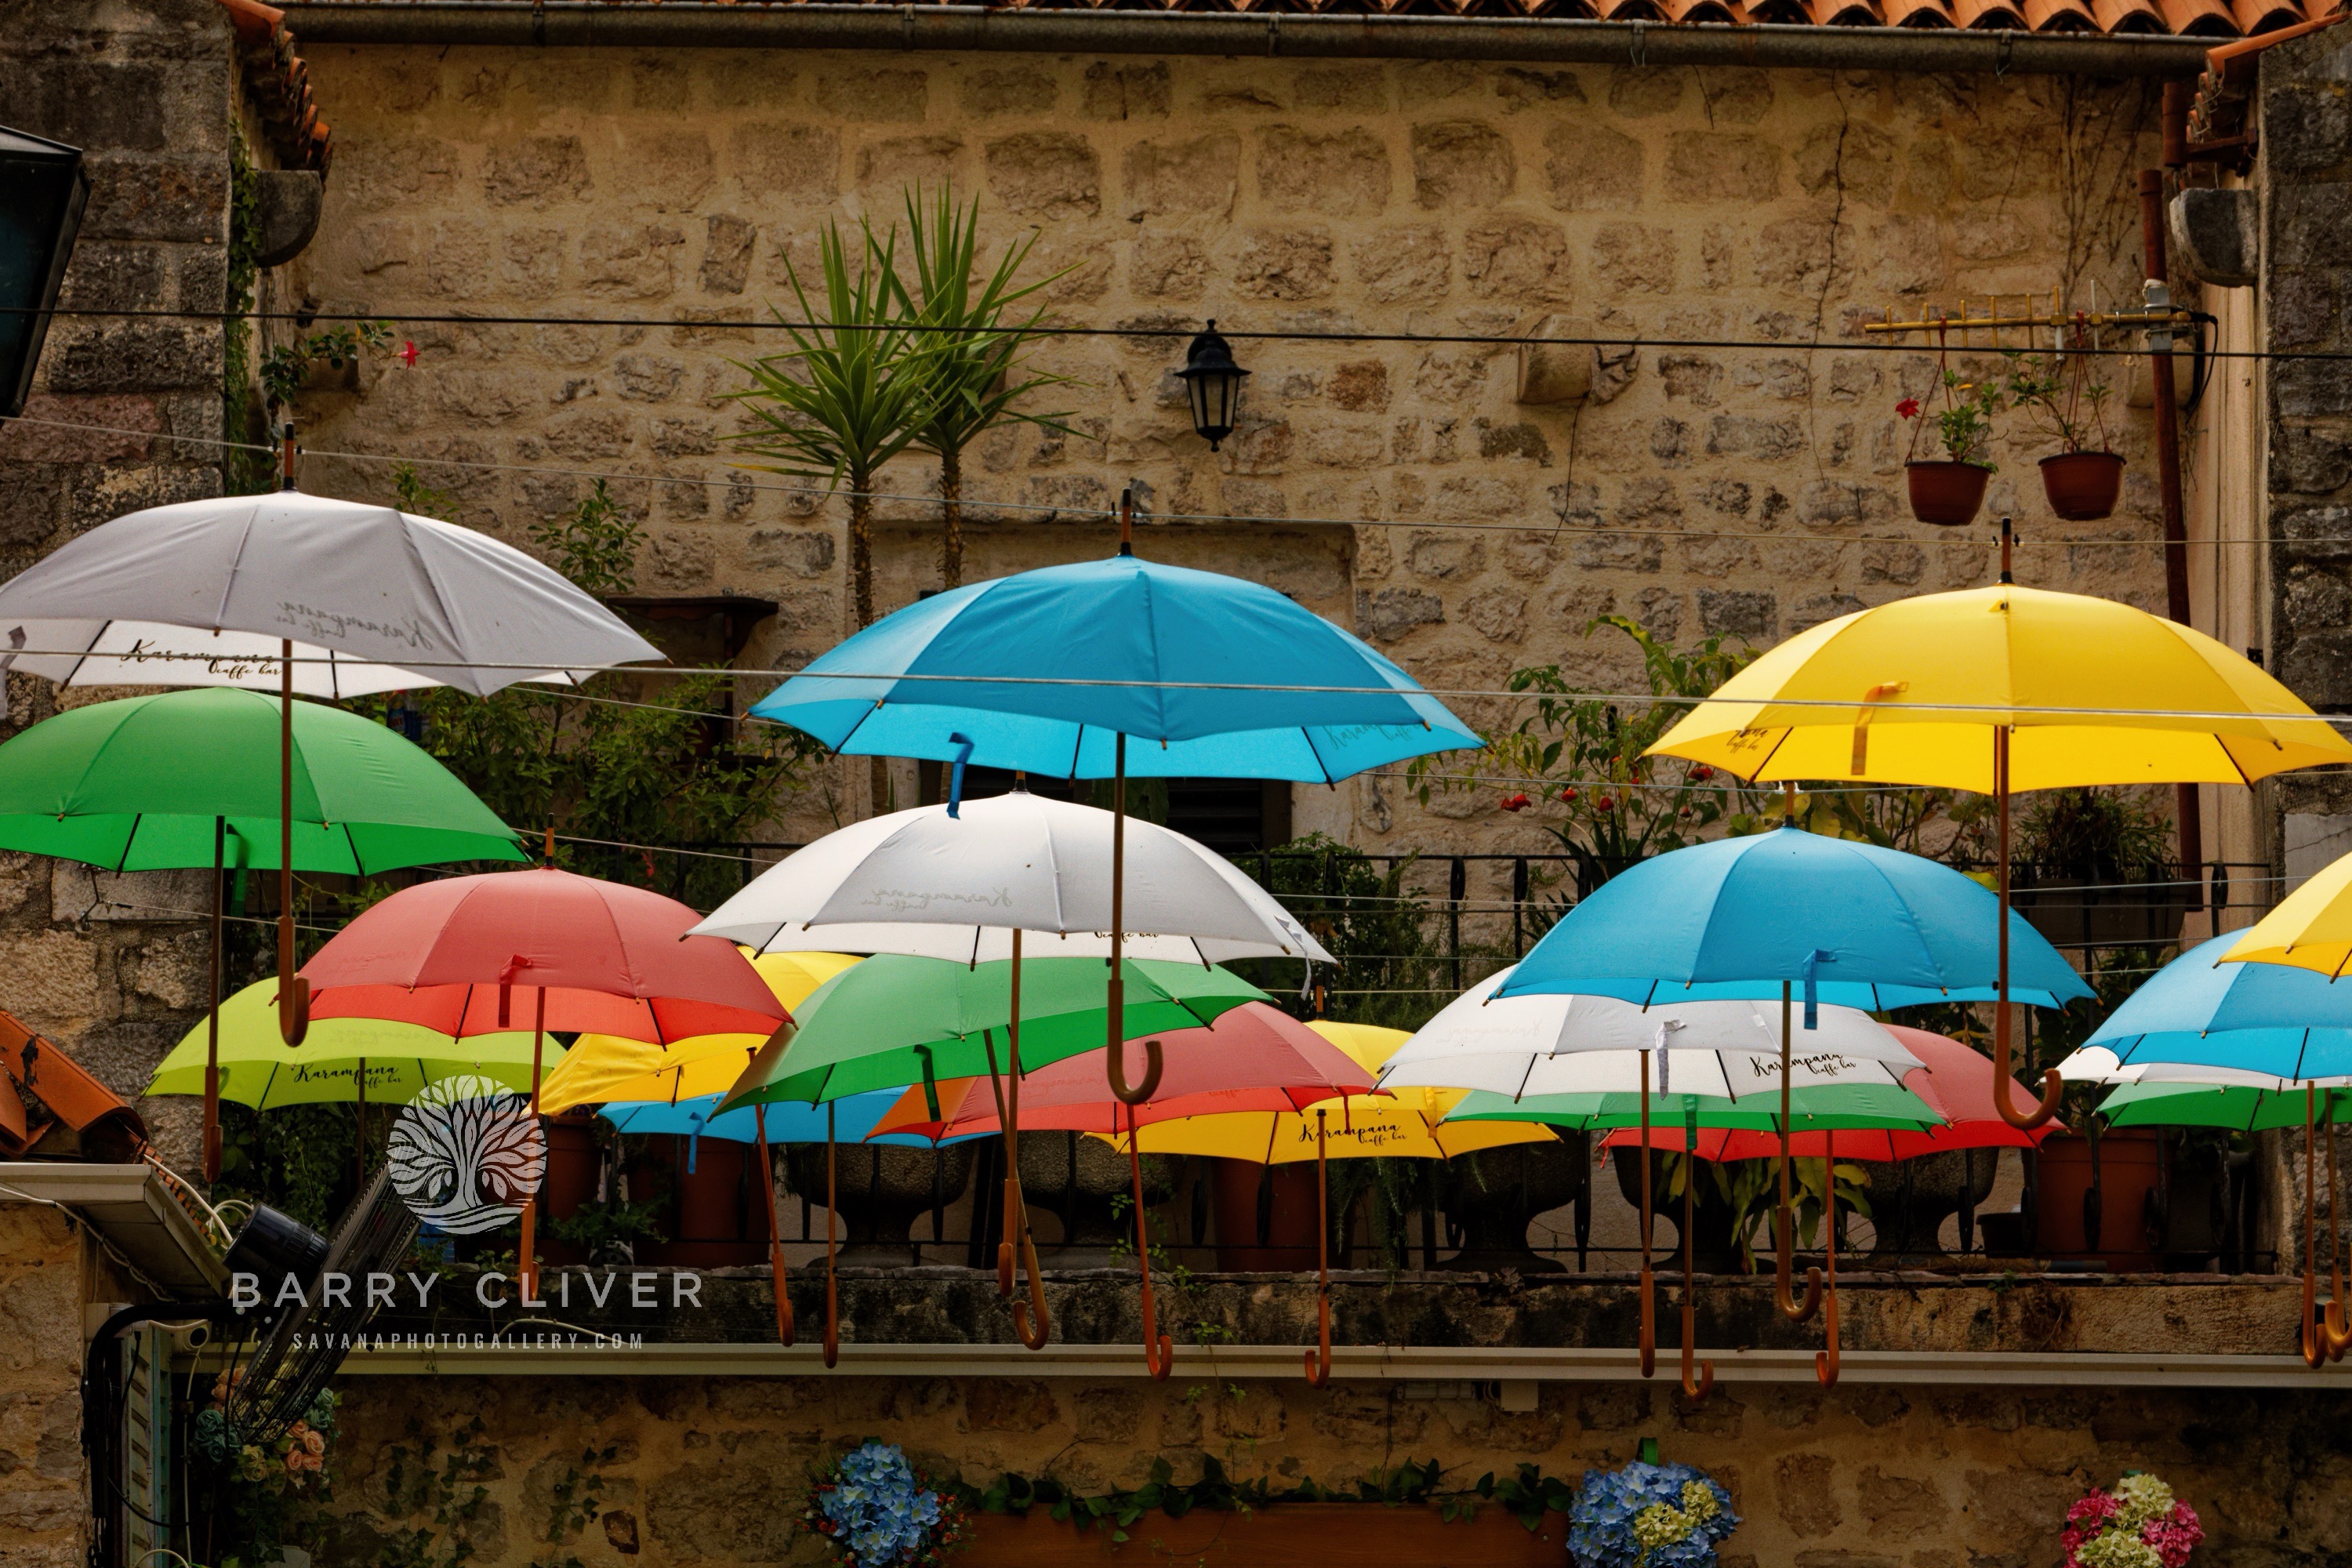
(408, 356)
(1909, 409)
(1517, 803)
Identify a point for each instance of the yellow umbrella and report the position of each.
(604, 1069)
(2002, 688)
(2311, 929)
(1408, 1124)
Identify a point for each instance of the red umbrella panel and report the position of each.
(472, 955)
(1255, 1058)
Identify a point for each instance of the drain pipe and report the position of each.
(949, 29)
(2186, 808)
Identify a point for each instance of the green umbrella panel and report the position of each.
(170, 781)
(1827, 1108)
(2234, 1107)
(399, 1060)
(894, 1021)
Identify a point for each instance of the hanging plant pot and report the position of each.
(2082, 486)
(1945, 493)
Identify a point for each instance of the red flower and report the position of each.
(1702, 772)
(1909, 409)
(408, 354)
(1606, 802)
(1517, 803)
(1569, 793)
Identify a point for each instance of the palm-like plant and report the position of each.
(973, 347)
(853, 391)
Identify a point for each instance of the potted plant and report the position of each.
(2083, 478)
(1948, 490)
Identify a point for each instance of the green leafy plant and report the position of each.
(973, 343)
(288, 365)
(1752, 1190)
(2060, 390)
(1390, 972)
(442, 1491)
(1609, 804)
(854, 391)
(1964, 423)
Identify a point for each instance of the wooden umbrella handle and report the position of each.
(832, 1276)
(1159, 1351)
(1785, 1220)
(777, 1274)
(1695, 1388)
(1318, 1360)
(1826, 1362)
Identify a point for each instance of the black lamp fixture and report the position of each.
(1213, 382)
(43, 189)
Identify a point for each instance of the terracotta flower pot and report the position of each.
(2082, 486)
(1946, 494)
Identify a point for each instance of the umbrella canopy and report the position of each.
(475, 956)
(2098, 692)
(260, 1069)
(1408, 1123)
(1529, 1045)
(147, 783)
(604, 1070)
(373, 599)
(1844, 920)
(895, 1020)
(1955, 1080)
(2200, 1011)
(1255, 1058)
(2311, 929)
(1042, 671)
(2232, 1106)
(1015, 862)
(855, 1118)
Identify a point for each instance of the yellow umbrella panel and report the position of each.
(2311, 929)
(258, 1068)
(604, 1070)
(1998, 689)
(1409, 1123)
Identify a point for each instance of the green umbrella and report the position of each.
(2236, 1106)
(340, 1059)
(180, 780)
(1827, 1108)
(894, 1021)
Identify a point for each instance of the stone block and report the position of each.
(1813, 610)
(1009, 1405)
(103, 276)
(50, 975)
(92, 103)
(673, 169)
(1591, 168)
(1803, 1484)
(1644, 92)
(1388, 614)
(2304, 461)
(1633, 257)
(1763, 440)
(179, 199)
(1341, 444)
(1285, 264)
(1498, 613)
(1050, 174)
(1344, 175)
(727, 247)
(805, 552)
(1460, 165)
(1524, 86)
(2304, 389)
(2301, 308)
(1361, 386)
(1403, 265)
(134, 355)
(1020, 90)
(629, 260)
(537, 170)
(1851, 161)
(204, 278)
(2305, 127)
(1168, 267)
(1352, 89)
(873, 96)
(1127, 91)
(32, 502)
(1199, 177)
(530, 261)
(1714, 167)
(1520, 260)
(1737, 613)
(796, 162)
(681, 561)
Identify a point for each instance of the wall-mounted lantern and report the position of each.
(1213, 382)
(43, 189)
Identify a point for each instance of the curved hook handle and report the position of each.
(1649, 1325)
(1784, 1296)
(1826, 1362)
(1318, 1360)
(1695, 1389)
(1116, 1064)
(1159, 1351)
(1015, 1216)
(1030, 1319)
(293, 990)
(2053, 1089)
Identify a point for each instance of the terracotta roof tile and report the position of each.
(277, 82)
(2059, 17)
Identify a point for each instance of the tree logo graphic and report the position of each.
(466, 1154)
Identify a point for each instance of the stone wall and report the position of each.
(47, 1274)
(150, 93)
(1399, 486)
(716, 1471)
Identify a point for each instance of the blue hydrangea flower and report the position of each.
(881, 1516)
(1601, 1522)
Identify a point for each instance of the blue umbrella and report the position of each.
(1842, 920)
(789, 1121)
(2261, 1017)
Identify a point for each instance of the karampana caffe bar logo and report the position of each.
(466, 1154)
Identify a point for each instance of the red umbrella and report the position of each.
(466, 955)
(1255, 1058)
(1953, 1078)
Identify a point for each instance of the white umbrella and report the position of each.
(2096, 1064)
(242, 590)
(935, 885)
(978, 880)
